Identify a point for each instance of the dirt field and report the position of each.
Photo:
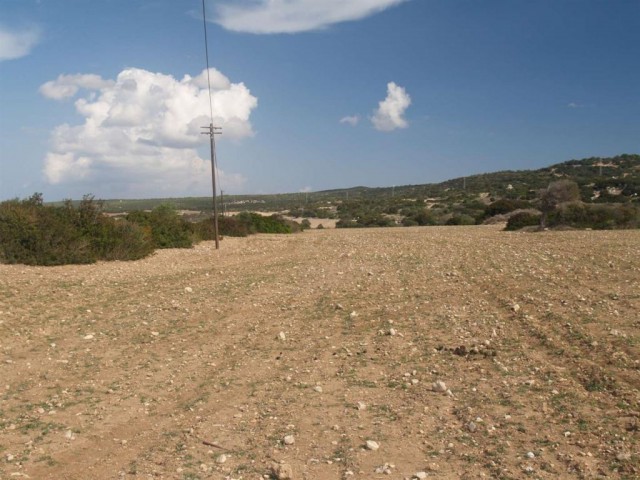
(461, 352)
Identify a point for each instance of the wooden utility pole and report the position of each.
(212, 131)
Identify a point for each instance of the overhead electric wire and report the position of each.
(206, 50)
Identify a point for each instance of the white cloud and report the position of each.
(16, 44)
(66, 86)
(352, 120)
(390, 112)
(293, 16)
(141, 131)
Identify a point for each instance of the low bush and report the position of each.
(167, 228)
(461, 220)
(34, 234)
(595, 216)
(522, 220)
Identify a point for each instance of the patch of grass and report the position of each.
(48, 459)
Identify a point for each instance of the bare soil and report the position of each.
(195, 364)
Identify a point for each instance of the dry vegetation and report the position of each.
(195, 364)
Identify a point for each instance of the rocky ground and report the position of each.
(460, 352)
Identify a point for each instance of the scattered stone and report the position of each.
(623, 456)
(318, 388)
(9, 457)
(69, 435)
(282, 336)
(282, 471)
(472, 427)
(155, 334)
(386, 468)
(88, 337)
(439, 386)
(531, 455)
(420, 475)
(289, 440)
(361, 406)
(222, 458)
(393, 332)
(353, 315)
(188, 290)
(372, 445)
(515, 307)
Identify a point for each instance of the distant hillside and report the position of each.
(605, 180)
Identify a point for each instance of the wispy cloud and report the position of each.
(17, 43)
(294, 16)
(352, 120)
(390, 113)
(142, 130)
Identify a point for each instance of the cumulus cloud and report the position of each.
(390, 112)
(352, 120)
(16, 44)
(293, 16)
(66, 86)
(142, 130)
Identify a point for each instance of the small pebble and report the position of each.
(372, 445)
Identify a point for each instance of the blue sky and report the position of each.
(106, 97)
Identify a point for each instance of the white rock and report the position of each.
(361, 406)
(88, 337)
(372, 445)
(393, 332)
(439, 386)
(318, 388)
(221, 458)
(531, 455)
(282, 336)
(420, 475)
(188, 290)
(289, 440)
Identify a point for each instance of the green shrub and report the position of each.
(504, 205)
(167, 228)
(461, 220)
(521, 220)
(34, 234)
(595, 216)
(256, 223)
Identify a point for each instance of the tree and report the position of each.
(557, 193)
